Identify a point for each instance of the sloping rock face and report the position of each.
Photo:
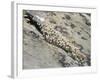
(56, 39)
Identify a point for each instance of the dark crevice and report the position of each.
(33, 22)
(83, 38)
(67, 17)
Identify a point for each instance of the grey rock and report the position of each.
(39, 53)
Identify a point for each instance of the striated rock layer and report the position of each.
(56, 39)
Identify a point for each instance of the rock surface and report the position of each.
(39, 51)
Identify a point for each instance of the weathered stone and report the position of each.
(48, 41)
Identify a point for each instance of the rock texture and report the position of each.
(56, 39)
